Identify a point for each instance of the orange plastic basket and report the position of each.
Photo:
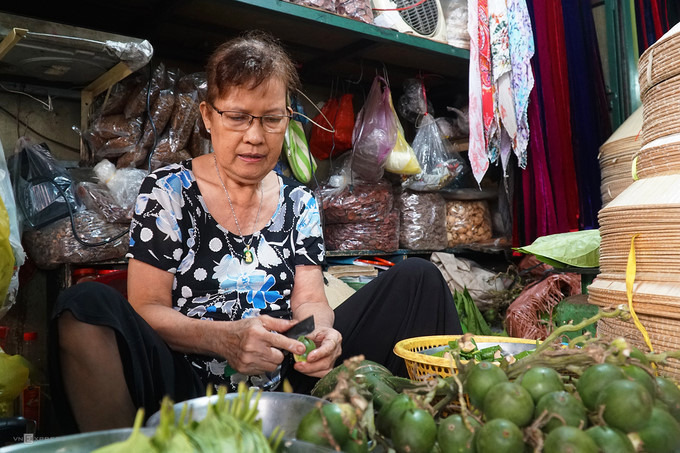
(422, 367)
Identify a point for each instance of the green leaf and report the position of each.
(576, 248)
(471, 319)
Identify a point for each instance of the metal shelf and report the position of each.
(482, 248)
(324, 44)
(56, 55)
(289, 11)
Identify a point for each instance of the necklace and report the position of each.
(247, 253)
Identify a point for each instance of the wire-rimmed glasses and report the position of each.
(241, 121)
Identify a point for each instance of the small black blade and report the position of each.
(304, 327)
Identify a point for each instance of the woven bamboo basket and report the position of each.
(659, 157)
(661, 110)
(660, 61)
(664, 334)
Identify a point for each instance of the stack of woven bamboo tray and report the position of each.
(616, 157)
(659, 76)
(649, 211)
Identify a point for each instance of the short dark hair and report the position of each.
(247, 61)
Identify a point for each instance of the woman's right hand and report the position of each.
(254, 345)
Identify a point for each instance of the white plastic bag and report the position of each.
(123, 183)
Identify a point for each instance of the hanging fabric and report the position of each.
(540, 217)
(589, 106)
(556, 115)
(479, 161)
(505, 121)
(485, 68)
(521, 51)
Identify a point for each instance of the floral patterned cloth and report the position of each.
(505, 124)
(521, 52)
(485, 66)
(477, 153)
(501, 79)
(173, 230)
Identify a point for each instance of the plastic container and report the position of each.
(30, 398)
(4, 332)
(83, 274)
(116, 278)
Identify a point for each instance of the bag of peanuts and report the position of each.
(422, 220)
(467, 222)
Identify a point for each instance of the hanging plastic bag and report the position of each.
(6, 256)
(340, 113)
(42, 186)
(439, 167)
(402, 160)
(375, 133)
(14, 237)
(301, 162)
(13, 376)
(412, 104)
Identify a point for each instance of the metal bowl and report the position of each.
(74, 443)
(87, 442)
(284, 410)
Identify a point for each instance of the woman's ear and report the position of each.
(206, 114)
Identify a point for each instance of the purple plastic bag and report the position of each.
(375, 133)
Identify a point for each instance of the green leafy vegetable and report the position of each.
(471, 319)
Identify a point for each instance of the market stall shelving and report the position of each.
(324, 44)
(53, 55)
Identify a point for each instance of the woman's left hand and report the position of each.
(321, 360)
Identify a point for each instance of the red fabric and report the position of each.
(341, 115)
(550, 46)
(643, 23)
(539, 208)
(664, 14)
(485, 67)
(658, 28)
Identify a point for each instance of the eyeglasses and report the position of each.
(241, 121)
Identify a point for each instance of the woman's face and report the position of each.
(247, 156)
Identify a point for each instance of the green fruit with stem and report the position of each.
(541, 380)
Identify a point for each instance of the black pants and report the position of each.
(411, 299)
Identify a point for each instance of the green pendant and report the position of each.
(248, 256)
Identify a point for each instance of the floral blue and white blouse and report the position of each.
(173, 230)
